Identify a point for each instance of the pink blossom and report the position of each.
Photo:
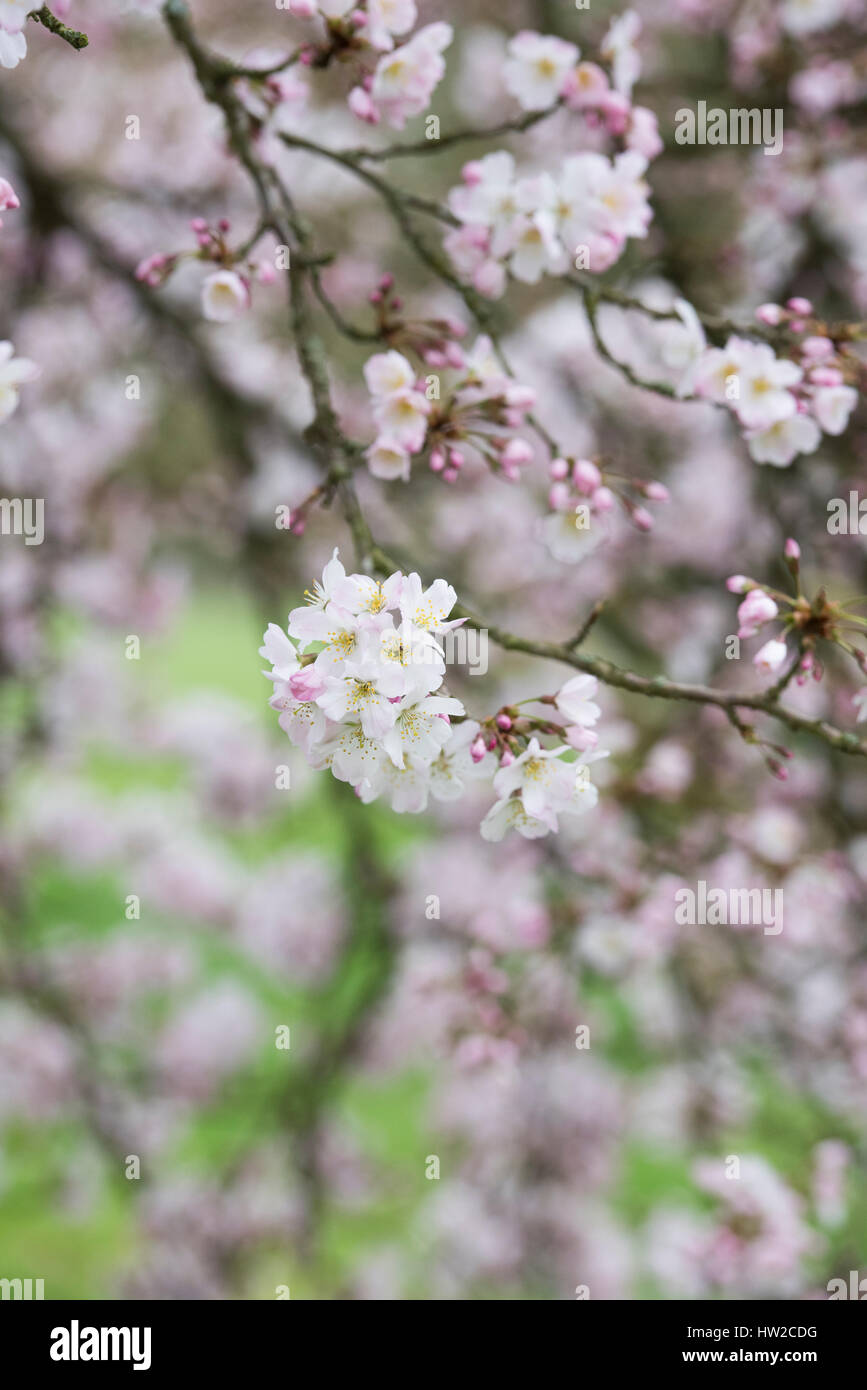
(756, 609)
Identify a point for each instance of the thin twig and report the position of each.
(73, 37)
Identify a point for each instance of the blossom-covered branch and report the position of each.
(374, 680)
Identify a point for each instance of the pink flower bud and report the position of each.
(826, 376)
(504, 722)
(642, 519)
(477, 749)
(362, 105)
(437, 460)
(521, 398)
(456, 459)
(149, 270)
(307, 685)
(770, 314)
(580, 738)
(450, 475)
(472, 173)
(816, 348)
(517, 452)
(799, 306)
(756, 609)
(738, 583)
(586, 476)
(792, 550)
(559, 469)
(603, 499)
(559, 497)
(508, 758)
(657, 492)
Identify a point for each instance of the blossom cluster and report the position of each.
(542, 71)
(483, 410)
(365, 705)
(225, 293)
(355, 679)
(808, 620)
(404, 78)
(378, 24)
(582, 497)
(538, 225)
(783, 405)
(542, 224)
(539, 786)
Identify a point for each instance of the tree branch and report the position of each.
(73, 37)
(324, 433)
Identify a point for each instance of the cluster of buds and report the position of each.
(822, 353)
(783, 404)
(225, 292)
(808, 620)
(582, 495)
(508, 732)
(392, 90)
(581, 481)
(434, 341)
(536, 784)
(482, 411)
(589, 91)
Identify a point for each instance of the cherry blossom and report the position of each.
(537, 68)
(225, 297)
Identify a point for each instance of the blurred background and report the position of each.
(257, 1038)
